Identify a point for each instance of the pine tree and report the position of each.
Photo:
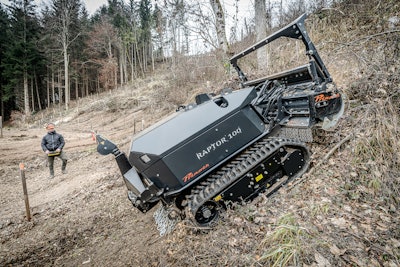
(4, 29)
(21, 54)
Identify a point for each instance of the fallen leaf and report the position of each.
(392, 208)
(347, 208)
(388, 249)
(381, 226)
(321, 261)
(366, 227)
(391, 264)
(377, 174)
(356, 260)
(339, 222)
(336, 251)
(395, 242)
(233, 242)
(375, 263)
(385, 218)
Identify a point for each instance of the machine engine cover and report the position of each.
(172, 156)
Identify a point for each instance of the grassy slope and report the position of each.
(344, 213)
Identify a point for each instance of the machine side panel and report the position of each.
(191, 160)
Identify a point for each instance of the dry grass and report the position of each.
(376, 151)
(284, 245)
(346, 213)
(350, 204)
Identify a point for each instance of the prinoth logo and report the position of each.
(219, 143)
(190, 175)
(322, 97)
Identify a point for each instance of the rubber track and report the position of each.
(238, 167)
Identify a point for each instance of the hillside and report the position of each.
(343, 212)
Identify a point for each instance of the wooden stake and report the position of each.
(28, 210)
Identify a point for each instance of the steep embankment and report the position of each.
(344, 212)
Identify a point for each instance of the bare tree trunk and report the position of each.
(121, 68)
(37, 91)
(137, 60)
(83, 81)
(2, 106)
(261, 31)
(144, 60)
(220, 25)
(133, 61)
(76, 89)
(138, 56)
(26, 95)
(87, 83)
(53, 95)
(66, 39)
(66, 75)
(60, 91)
(33, 96)
(116, 78)
(125, 61)
(98, 83)
(48, 88)
(152, 57)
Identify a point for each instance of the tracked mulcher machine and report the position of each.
(233, 146)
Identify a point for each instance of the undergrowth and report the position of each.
(376, 150)
(369, 164)
(285, 244)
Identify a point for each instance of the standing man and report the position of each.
(52, 145)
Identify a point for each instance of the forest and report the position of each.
(129, 66)
(58, 53)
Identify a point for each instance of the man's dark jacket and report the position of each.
(52, 141)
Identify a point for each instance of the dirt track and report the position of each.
(83, 218)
